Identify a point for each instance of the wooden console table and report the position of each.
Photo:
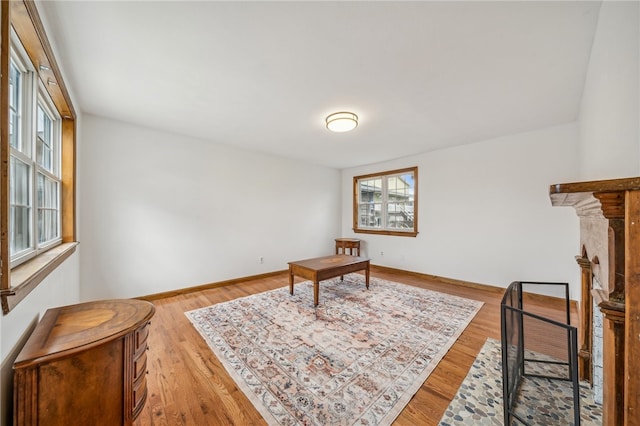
(323, 268)
(84, 364)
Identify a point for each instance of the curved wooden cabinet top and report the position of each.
(71, 329)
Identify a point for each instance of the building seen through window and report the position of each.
(386, 202)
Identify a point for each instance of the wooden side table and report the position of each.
(84, 364)
(342, 244)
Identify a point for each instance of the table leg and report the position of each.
(366, 274)
(290, 281)
(316, 290)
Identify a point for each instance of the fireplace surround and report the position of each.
(609, 213)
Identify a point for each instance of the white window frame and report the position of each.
(44, 101)
(34, 94)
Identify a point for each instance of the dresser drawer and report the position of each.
(140, 339)
(139, 394)
(140, 366)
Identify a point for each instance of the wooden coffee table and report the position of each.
(323, 268)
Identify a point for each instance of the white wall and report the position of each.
(609, 135)
(484, 211)
(162, 212)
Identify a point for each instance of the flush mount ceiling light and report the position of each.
(342, 121)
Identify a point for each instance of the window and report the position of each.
(386, 203)
(34, 164)
(37, 156)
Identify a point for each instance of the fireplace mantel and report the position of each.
(599, 198)
(560, 191)
(609, 212)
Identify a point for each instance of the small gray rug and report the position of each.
(479, 398)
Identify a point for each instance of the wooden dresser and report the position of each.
(84, 364)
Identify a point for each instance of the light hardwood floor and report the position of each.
(187, 385)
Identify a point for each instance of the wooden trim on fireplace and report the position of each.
(617, 203)
(585, 353)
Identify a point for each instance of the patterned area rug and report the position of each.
(358, 357)
(542, 402)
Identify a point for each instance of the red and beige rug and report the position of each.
(358, 358)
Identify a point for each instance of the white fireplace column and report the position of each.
(597, 355)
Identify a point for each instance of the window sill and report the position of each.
(386, 232)
(25, 277)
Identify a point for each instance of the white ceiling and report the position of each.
(264, 75)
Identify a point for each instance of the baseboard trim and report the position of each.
(156, 296)
(444, 280)
(492, 288)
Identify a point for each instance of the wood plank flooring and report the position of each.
(187, 385)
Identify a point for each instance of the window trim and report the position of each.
(23, 18)
(387, 231)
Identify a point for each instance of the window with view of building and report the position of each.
(37, 146)
(34, 162)
(386, 203)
